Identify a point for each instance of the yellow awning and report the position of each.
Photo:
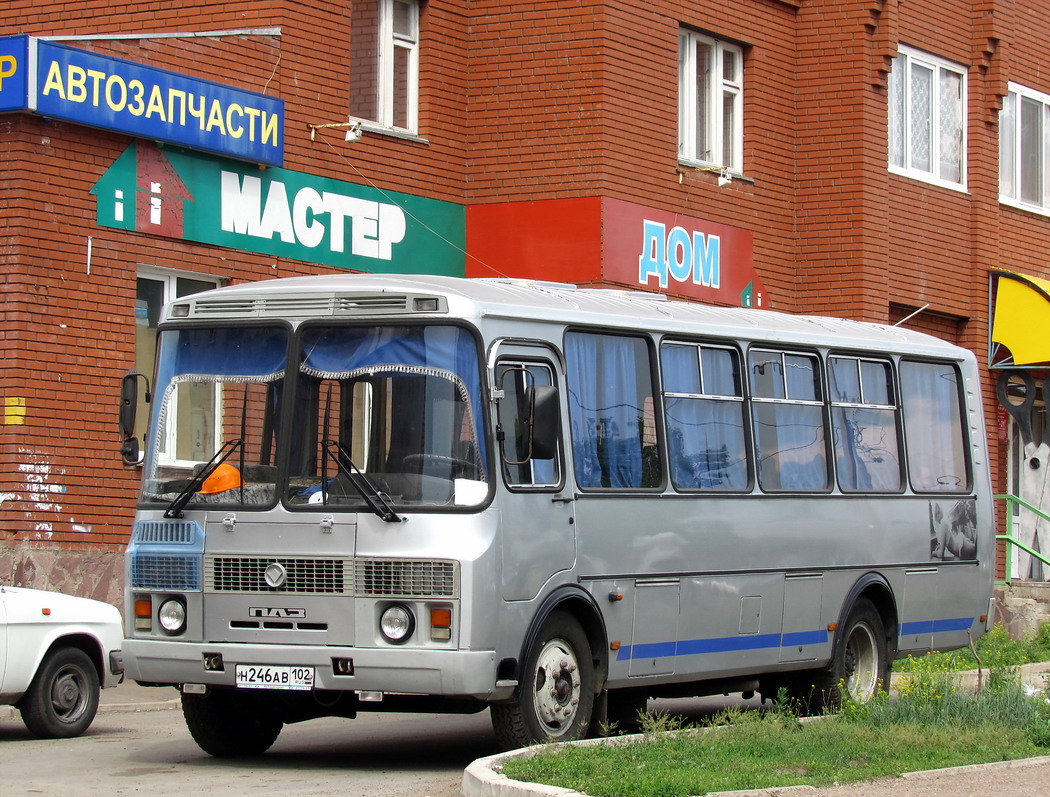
(1022, 317)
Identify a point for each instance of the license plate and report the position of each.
(263, 676)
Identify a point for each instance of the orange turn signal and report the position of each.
(441, 618)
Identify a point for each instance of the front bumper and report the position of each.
(450, 673)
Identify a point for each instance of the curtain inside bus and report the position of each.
(611, 411)
(334, 351)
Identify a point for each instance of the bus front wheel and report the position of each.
(227, 724)
(556, 694)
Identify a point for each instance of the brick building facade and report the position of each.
(551, 140)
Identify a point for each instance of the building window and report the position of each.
(710, 101)
(927, 118)
(384, 63)
(1024, 149)
(154, 290)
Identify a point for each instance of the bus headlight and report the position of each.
(396, 624)
(172, 616)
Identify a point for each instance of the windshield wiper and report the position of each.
(375, 500)
(174, 510)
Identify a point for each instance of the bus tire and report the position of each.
(861, 664)
(556, 694)
(63, 697)
(229, 725)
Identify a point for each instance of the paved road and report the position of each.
(139, 745)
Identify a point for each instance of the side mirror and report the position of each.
(129, 400)
(545, 420)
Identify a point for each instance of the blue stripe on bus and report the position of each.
(691, 647)
(934, 626)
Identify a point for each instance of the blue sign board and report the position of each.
(14, 71)
(86, 88)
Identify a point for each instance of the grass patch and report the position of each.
(996, 649)
(932, 724)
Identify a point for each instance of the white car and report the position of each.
(56, 651)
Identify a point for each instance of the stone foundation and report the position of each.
(91, 573)
(1022, 606)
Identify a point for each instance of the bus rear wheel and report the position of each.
(861, 666)
(226, 724)
(556, 694)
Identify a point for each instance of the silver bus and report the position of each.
(393, 493)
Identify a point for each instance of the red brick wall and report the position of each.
(68, 322)
(519, 100)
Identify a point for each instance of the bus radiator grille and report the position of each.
(303, 575)
(386, 578)
(406, 578)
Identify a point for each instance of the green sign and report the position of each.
(211, 200)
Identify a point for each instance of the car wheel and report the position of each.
(62, 699)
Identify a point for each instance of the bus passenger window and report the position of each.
(864, 425)
(704, 410)
(611, 414)
(788, 419)
(933, 427)
(521, 465)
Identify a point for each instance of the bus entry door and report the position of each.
(536, 509)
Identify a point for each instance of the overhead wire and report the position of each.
(411, 215)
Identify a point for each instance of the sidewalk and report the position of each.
(1025, 778)
(129, 696)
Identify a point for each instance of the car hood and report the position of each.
(34, 605)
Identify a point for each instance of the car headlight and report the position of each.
(396, 624)
(172, 616)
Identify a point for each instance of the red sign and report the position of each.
(595, 239)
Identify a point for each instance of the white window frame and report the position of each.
(391, 43)
(720, 87)
(901, 156)
(1014, 188)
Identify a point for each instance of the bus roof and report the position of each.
(347, 295)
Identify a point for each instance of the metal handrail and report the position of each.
(1009, 539)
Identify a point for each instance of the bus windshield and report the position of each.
(379, 417)
(218, 397)
(387, 410)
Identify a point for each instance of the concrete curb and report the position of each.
(160, 705)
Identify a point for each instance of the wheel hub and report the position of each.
(67, 696)
(860, 664)
(557, 687)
